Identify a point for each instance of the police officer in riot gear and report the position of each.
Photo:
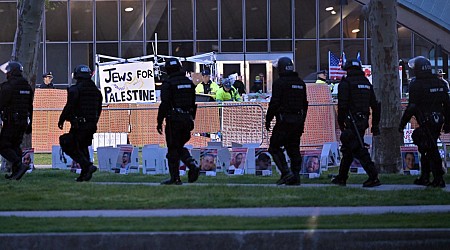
(82, 110)
(16, 107)
(178, 108)
(429, 104)
(289, 104)
(355, 99)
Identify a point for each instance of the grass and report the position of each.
(56, 190)
(52, 189)
(58, 225)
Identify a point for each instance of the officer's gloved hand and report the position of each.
(159, 128)
(29, 129)
(400, 129)
(61, 125)
(446, 128)
(268, 126)
(375, 130)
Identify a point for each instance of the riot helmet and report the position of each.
(14, 68)
(172, 65)
(82, 72)
(352, 64)
(226, 83)
(284, 65)
(420, 65)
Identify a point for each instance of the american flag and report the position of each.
(334, 67)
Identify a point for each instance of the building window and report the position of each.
(206, 17)
(107, 21)
(182, 49)
(81, 20)
(256, 19)
(107, 49)
(130, 50)
(56, 22)
(205, 47)
(8, 11)
(329, 19)
(157, 19)
(131, 20)
(280, 19)
(232, 46)
(82, 53)
(182, 22)
(57, 61)
(404, 42)
(305, 19)
(256, 46)
(231, 20)
(353, 22)
(281, 46)
(305, 57)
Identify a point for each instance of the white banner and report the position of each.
(127, 83)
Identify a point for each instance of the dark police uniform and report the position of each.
(355, 97)
(178, 108)
(16, 106)
(429, 103)
(82, 110)
(289, 104)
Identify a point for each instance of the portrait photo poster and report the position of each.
(310, 161)
(238, 157)
(28, 158)
(208, 161)
(123, 162)
(410, 160)
(263, 162)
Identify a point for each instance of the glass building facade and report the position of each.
(245, 34)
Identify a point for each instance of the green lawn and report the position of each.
(50, 189)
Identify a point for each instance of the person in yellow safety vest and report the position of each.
(227, 92)
(321, 76)
(207, 86)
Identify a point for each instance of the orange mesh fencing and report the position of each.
(237, 122)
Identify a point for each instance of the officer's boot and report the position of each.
(296, 165)
(174, 174)
(424, 179)
(88, 171)
(286, 173)
(373, 180)
(14, 168)
(344, 167)
(438, 174)
(194, 169)
(21, 170)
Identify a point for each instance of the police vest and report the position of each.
(359, 93)
(294, 92)
(432, 93)
(182, 92)
(22, 96)
(89, 100)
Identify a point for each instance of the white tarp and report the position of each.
(127, 83)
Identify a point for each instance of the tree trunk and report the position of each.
(27, 41)
(382, 19)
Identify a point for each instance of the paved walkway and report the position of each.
(235, 212)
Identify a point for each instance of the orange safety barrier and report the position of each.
(237, 122)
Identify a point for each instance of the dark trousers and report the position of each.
(177, 134)
(351, 148)
(79, 149)
(287, 136)
(10, 139)
(430, 157)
